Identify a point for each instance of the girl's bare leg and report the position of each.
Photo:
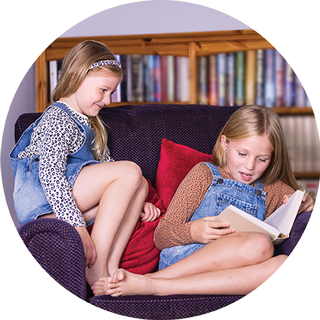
(231, 251)
(236, 281)
(120, 190)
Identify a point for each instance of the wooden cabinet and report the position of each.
(192, 45)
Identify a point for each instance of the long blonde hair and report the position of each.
(75, 68)
(250, 121)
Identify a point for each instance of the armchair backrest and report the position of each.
(136, 131)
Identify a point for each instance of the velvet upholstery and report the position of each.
(136, 133)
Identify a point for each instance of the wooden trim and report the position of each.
(193, 72)
(264, 19)
(41, 83)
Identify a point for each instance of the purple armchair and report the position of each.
(135, 133)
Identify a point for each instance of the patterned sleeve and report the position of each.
(175, 228)
(275, 193)
(60, 137)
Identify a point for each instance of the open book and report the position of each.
(278, 225)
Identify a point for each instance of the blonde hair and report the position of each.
(254, 120)
(75, 68)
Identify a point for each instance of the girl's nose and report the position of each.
(250, 164)
(106, 99)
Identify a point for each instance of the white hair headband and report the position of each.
(105, 63)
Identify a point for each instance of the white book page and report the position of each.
(284, 216)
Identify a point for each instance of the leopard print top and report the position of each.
(57, 125)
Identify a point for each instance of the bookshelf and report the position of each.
(192, 45)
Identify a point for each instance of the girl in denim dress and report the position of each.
(63, 168)
(250, 170)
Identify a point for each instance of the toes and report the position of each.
(120, 274)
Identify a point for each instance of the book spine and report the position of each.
(230, 79)
(279, 79)
(203, 80)
(270, 92)
(163, 78)
(53, 76)
(116, 96)
(177, 83)
(129, 78)
(184, 79)
(123, 84)
(213, 80)
(136, 78)
(145, 76)
(300, 93)
(222, 78)
(289, 86)
(170, 78)
(150, 80)
(240, 78)
(315, 146)
(260, 78)
(299, 140)
(250, 77)
(157, 78)
(288, 126)
(307, 143)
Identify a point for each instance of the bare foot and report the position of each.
(94, 273)
(124, 283)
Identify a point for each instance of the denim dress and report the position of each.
(29, 198)
(221, 193)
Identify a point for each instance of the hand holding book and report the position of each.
(277, 226)
(207, 229)
(307, 203)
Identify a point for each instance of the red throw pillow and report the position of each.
(175, 162)
(141, 255)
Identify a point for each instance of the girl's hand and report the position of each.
(89, 248)
(150, 212)
(206, 229)
(307, 203)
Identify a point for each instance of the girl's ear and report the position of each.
(70, 82)
(224, 142)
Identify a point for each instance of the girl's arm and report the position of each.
(174, 228)
(58, 140)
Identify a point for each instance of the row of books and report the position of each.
(302, 139)
(252, 77)
(150, 78)
(260, 77)
(153, 78)
(310, 185)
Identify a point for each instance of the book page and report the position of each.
(241, 221)
(284, 216)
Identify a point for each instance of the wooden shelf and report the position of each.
(192, 45)
(307, 174)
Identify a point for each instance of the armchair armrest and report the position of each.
(58, 248)
(296, 232)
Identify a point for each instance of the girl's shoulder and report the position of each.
(278, 186)
(55, 116)
(275, 192)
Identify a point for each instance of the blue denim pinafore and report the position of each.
(221, 194)
(29, 198)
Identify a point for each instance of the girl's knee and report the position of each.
(259, 247)
(131, 171)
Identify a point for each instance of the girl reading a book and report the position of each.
(63, 168)
(250, 170)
